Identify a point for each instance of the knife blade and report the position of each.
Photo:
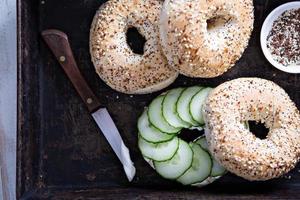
(59, 44)
(111, 133)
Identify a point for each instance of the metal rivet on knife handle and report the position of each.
(89, 100)
(62, 58)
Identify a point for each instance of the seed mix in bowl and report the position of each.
(283, 40)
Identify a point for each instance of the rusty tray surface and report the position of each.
(61, 152)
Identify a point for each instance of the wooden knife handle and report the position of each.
(59, 44)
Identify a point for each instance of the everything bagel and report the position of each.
(234, 146)
(204, 38)
(115, 62)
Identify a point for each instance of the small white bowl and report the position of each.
(266, 28)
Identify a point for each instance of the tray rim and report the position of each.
(20, 98)
(142, 193)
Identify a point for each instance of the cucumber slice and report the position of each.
(202, 142)
(197, 104)
(158, 152)
(200, 169)
(150, 133)
(207, 181)
(246, 124)
(169, 109)
(217, 169)
(175, 167)
(156, 117)
(183, 104)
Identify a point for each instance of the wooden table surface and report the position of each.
(8, 96)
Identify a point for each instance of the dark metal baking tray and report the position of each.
(62, 154)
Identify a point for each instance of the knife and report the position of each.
(59, 44)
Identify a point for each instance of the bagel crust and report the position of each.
(204, 38)
(234, 146)
(115, 62)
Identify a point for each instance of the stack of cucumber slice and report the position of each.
(170, 156)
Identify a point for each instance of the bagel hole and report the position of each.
(135, 40)
(190, 135)
(258, 129)
(217, 22)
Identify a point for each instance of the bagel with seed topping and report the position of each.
(204, 38)
(116, 64)
(231, 104)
